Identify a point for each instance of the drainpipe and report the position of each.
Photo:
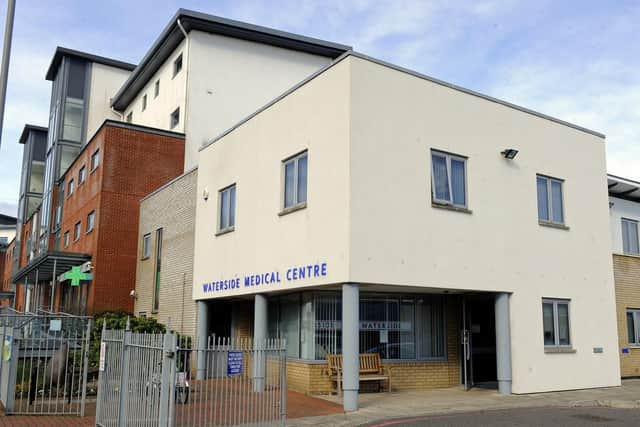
(6, 55)
(186, 79)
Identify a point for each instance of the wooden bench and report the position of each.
(371, 369)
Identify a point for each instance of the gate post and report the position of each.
(124, 377)
(85, 366)
(168, 378)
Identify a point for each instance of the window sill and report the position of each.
(225, 231)
(93, 170)
(90, 231)
(292, 209)
(451, 208)
(144, 258)
(552, 350)
(553, 225)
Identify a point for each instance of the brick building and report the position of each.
(99, 197)
(624, 207)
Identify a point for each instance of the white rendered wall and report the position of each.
(105, 82)
(8, 233)
(621, 209)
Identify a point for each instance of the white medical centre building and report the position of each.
(373, 209)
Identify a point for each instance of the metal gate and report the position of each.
(43, 370)
(164, 385)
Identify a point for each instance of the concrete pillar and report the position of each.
(259, 339)
(350, 345)
(503, 343)
(202, 332)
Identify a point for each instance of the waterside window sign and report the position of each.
(268, 279)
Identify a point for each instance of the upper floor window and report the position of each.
(95, 160)
(630, 237)
(555, 322)
(449, 179)
(82, 175)
(76, 231)
(550, 200)
(70, 188)
(177, 65)
(156, 89)
(227, 209)
(175, 118)
(144, 102)
(633, 326)
(146, 246)
(294, 172)
(130, 117)
(66, 238)
(91, 221)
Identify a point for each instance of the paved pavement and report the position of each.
(385, 406)
(528, 417)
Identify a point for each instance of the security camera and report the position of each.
(133, 294)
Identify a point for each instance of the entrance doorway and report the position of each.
(479, 342)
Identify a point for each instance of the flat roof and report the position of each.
(172, 35)
(28, 129)
(623, 188)
(63, 51)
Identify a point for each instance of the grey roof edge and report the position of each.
(404, 70)
(277, 99)
(215, 24)
(477, 94)
(168, 183)
(621, 178)
(28, 128)
(64, 51)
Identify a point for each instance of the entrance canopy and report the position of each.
(45, 264)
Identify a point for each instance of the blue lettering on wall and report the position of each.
(270, 278)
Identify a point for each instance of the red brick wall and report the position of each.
(133, 163)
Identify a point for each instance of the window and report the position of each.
(66, 238)
(144, 102)
(82, 175)
(294, 172)
(395, 326)
(91, 220)
(175, 118)
(177, 65)
(550, 204)
(449, 179)
(630, 241)
(70, 188)
(146, 246)
(130, 117)
(633, 326)
(156, 288)
(227, 209)
(156, 89)
(76, 231)
(95, 160)
(555, 322)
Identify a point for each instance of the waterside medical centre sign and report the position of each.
(268, 279)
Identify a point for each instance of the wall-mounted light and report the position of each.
(509, 153)
(205, 194)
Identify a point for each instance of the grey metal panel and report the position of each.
(623, 188)
(63, 51)
(28, 129)
(171, 36)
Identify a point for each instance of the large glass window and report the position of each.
(630, 237)
(69, 153)
(396, 327)
(36, 182)
(227, 209)
(555, 322)
(633, 326)
(295, 180)
(550, 200)
(449, 179)
(73, 113)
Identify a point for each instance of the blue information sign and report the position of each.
(234, 363)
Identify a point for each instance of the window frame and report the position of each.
(549, 180)
(66, 239)
(637, 225)
(144, 102)
(635, 312)
(146, 246)
(448, 157)
(177, 61)
(296, 204)
(230, 227)
(175, 112)
(129, 117)
(556, 328)
(82, 175)
(70, 188)
(91, 221)
(156, 89)
(94, 164)
(77, 231)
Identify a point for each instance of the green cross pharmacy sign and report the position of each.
(76, 275)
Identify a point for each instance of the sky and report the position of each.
(575, 60)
